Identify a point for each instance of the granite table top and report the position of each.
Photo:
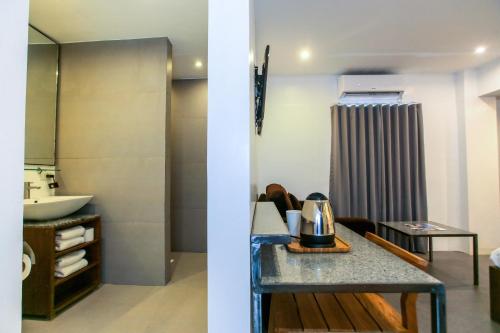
(268, 226)
(367, 267)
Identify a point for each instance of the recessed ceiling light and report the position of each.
(305, 54)
(198, 64)
(480, 50)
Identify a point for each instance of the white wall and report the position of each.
(498, 134)
(481, 146)
(254, 59)
(294, 149)
(13, 43)
(488, 80)
(488, 77)
(229, 165)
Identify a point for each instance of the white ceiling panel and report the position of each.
(397, 36)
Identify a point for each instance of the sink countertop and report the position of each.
(66, 221)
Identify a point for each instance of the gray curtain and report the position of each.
(377, 168)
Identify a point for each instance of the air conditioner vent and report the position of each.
(377, 97)
(370, 89)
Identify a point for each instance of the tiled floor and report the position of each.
(181, 306)
(468, 307)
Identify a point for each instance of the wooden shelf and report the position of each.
(73, 297)
(44, 294)
(75, 248)
(58, 281)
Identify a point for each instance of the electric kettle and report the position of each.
(317, 224)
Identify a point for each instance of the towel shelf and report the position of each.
(58, 281)
(71, 298)
(75, 248)
(44, 295)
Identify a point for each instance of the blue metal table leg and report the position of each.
(256, 296)
(257, 312)
(438, 309)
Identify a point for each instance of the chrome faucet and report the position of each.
(28, 188)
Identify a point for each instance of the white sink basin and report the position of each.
(47, 208)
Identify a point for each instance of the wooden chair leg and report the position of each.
(409, 311)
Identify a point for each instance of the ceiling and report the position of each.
(361, 36)
(185, 22)
(343, 36)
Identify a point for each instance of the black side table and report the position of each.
(400, 226)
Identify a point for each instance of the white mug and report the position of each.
(293, 218)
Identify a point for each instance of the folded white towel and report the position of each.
(70, 232)
(69, 259)
(495, 257)
(89, 235)
(67, 243)
(68, 270)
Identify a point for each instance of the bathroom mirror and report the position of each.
(41, 98)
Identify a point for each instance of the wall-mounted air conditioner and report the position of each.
(368, 89)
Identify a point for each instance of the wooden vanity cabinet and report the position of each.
(45, 295)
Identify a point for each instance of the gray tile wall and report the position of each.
(189, 167)
(113, 138)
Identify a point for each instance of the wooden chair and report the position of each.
(282, 199)
(347, 312)
(277, 188)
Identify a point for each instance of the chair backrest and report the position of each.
(402, 253)
(408, 300)
(276, 189)
(273, 188)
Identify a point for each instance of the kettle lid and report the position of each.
(316, 196)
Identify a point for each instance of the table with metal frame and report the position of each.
(412, 234)
(366, 268)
